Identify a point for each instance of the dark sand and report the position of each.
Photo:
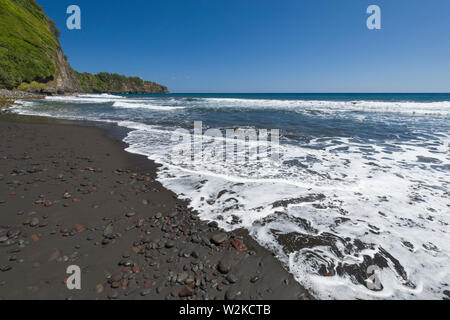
(70, 195)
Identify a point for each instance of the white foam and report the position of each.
(88, 98)
(103, 95)
(406, 107)
(132, 105)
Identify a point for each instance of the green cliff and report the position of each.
(31, 57)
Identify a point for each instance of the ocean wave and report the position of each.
(330, 106)
(84, 99)
(133, 105)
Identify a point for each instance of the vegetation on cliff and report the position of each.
(115, 83)
(31, 57)
(27, 43)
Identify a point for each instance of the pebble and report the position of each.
(255, 279)
(182, 277)
(108, 230)
(99, 288)
(172, 214)
(5, 268)
(213, 224)
(219, 238)
(34, 222)
(186, 292)
(78, 228)
(146, 292)
(239, 245)
(232, 278)
(223, 267)
(170, 244)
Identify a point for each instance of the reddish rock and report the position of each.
(78, 228)
(130, 214)
(190, 283)
(239, 245)
(186, 292)
(47, 203)
(35, 237)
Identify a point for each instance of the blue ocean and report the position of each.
(360, 181)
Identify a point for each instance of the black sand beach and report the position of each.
(70, 195)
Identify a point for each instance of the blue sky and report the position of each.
(263, 45)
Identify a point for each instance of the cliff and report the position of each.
(31, 57)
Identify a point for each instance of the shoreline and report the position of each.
(70, 194)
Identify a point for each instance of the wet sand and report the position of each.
(70, 195)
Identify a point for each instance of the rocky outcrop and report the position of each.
(65, 79)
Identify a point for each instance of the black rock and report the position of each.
(170, 244)
(224, 267)
(213, 224)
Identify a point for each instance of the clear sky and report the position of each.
(263, 45)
